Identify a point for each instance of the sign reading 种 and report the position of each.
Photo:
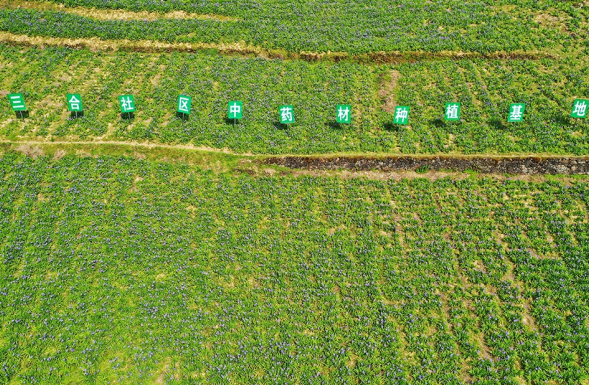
(401, 115)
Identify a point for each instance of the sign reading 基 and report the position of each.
(516, 112)
(452, 111)
(401, 115)
(235, 109)
(286, 114)
(344, 114)
(127, 103)
(184, 104)
(580, 108)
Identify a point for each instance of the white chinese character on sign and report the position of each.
(516, 112)
(401, 114)
(183, 104)
(286, 114)
(235, 109)
(452, 111)
(580, 109)
(343, 114)
(127, 104)
(74, 102)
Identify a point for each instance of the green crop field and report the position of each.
(160, 248)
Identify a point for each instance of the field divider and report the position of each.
(244, 49)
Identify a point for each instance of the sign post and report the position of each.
(17, 102)
(344, 113)
(74, 104)
(516, 112)
(127, 104)
(452, 112)
(235, 111)
(580, 108)
(402, 115)
(286, 114)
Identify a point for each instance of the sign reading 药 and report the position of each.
(401, 115)
(344, 114)
(74, 102)
(516, 112)
(235, 109)
(17, 102)
(452, 111)
(127, 103)
(286, 114)
(184, 104)
(580, 108)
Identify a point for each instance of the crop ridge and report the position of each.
(244, 49)
(110, 14)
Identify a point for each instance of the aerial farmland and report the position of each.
(294, 192)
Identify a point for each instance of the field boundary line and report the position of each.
(110, 14)
(247, 50)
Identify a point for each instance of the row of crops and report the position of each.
(121, 270)
(484, 89)
(350, 26)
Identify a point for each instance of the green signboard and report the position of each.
(516, 112)
(184, 104)
(74, 103)
(344, 113)
(401, 115)
(452, 111)
(580, 108)
(127, 103)
(235, 109)
(17, 102)
(286, 114)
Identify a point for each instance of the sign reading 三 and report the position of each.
(74, 103)
(344, 113)
(17, 102)
(401, 115)
(516, 112)
(235, 109)
(286, 114)
(127, 103)
(580, 108)
(452, 112)
(184, 104)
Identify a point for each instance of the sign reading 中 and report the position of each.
(127, 103)
(344, 113)
(401, 115)
(17, 102)
(235, 109)
(286, 114)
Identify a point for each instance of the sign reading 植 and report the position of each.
(452, 111)
(286, 114)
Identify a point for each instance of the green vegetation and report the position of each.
(484, 88)
(116, 269)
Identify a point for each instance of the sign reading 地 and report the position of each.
(452, 111)
(344, 113)
(401, 115)
(127, 103)
(516, 112)
(286, 114)
(580, 108)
